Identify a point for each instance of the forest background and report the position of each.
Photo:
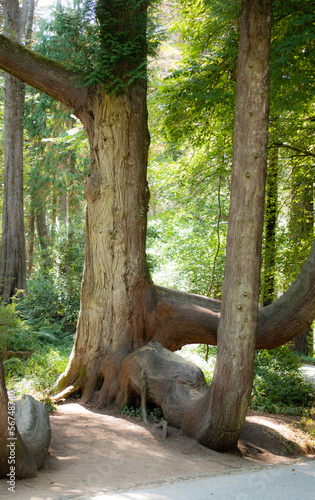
(191, 105)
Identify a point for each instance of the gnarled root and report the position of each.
(164, 378)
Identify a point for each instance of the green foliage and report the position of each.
(39, 373)
(189, 221)
(192, 110)
(278, 384)
(14, 333)
(196, 353)
(103, 41)
(49, 308)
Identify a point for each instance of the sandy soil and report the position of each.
(96, 451)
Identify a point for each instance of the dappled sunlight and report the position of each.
(94, 452)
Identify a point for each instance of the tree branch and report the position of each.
(184, 318)
(302, 152)
(42, 73)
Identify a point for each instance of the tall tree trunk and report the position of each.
(12, 267)
(115, 280)
(43, 235)
(217, 419)
(268, 285)
(31, 241)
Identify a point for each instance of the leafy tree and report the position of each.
(198, 125)
(121, 310)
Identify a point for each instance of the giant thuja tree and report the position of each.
(121, 310)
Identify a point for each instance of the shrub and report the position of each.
(45, 309)
(39, 373)
(14, 333)
(279, 386)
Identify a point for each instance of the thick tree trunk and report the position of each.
(302, 229)
(115, 281)
(217, 419)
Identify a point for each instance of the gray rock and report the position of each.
(32, 420)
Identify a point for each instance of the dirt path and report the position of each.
(95, 451)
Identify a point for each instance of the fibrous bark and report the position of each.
(18, 25)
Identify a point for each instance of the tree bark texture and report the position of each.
(12, 267)
(217, 420)
(115, 279)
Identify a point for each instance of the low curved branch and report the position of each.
(184, 318)
(42, 73)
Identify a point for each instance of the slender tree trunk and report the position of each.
(43, 235)
(12, 266)
(268, 285)
(217, 419)
(31, 241)
(63, 205)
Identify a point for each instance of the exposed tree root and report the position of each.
(157, 375)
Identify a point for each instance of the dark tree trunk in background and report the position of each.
(31, 238)
(218, 418)
(43, 234)
(12, 268)
(268, 284)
